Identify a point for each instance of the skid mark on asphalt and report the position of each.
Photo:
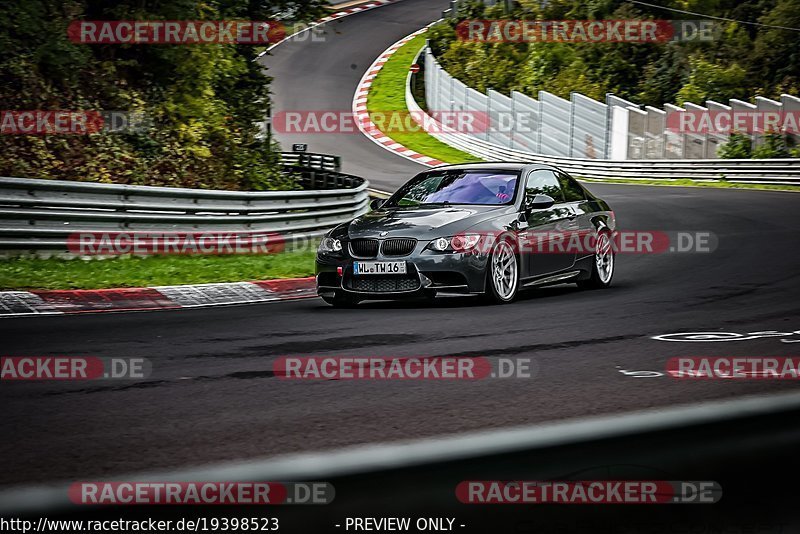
(261, 374)
(318, 345)
(730, 292)
(717, 294)
(102, 389)
(339, 344)
(544, 347)
(310, 348)
(247, 375)
(786, 315)
(259, 337)
(238, 375)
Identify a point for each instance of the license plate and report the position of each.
(379, 267)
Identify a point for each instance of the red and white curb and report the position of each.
(363, 119)
(334, 16)
(36, 303)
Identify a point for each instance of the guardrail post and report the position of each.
(571, 143)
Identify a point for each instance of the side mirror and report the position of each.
(539, 202)
(376, 203)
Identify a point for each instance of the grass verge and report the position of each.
(687, 182)
(55, 273)
(388, 94)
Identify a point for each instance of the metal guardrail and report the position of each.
(784, 171)
(313, 161)
(767, 171)
(40, 215)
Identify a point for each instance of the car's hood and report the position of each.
(420, 223)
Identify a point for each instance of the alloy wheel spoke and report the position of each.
(604, 259)
(504, 270)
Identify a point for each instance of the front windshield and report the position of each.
(457, 187)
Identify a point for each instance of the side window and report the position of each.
(573, 192)
(543, 182)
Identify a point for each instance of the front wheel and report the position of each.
(502, 274)
(602, 264)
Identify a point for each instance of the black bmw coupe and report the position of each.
(488, 228)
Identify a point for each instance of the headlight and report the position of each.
(465, 242)
(459, 243)
(329, 244)
(440, 245)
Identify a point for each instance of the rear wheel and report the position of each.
(602, 264)
(341, 301)
(502, 274)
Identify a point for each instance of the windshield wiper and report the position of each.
(443, 203)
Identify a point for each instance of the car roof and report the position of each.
(494, 165)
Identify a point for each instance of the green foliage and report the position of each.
(773, 145)
(741, 62)
(738, 146)
(709, 81)
(488, 67)
(775, 52)
(203, 102)
(664, 76)
(770, 145)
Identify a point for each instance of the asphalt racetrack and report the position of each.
(322, 75)
(213, 397)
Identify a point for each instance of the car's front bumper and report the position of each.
(426, 272)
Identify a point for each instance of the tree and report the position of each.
(663, 77)
(773, 145)
(203, 102)
(776, 55)
(743, 60)
(709, 81)
(739, 146)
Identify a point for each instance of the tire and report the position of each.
(502, 283)
(341, 302)
(603, 263)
